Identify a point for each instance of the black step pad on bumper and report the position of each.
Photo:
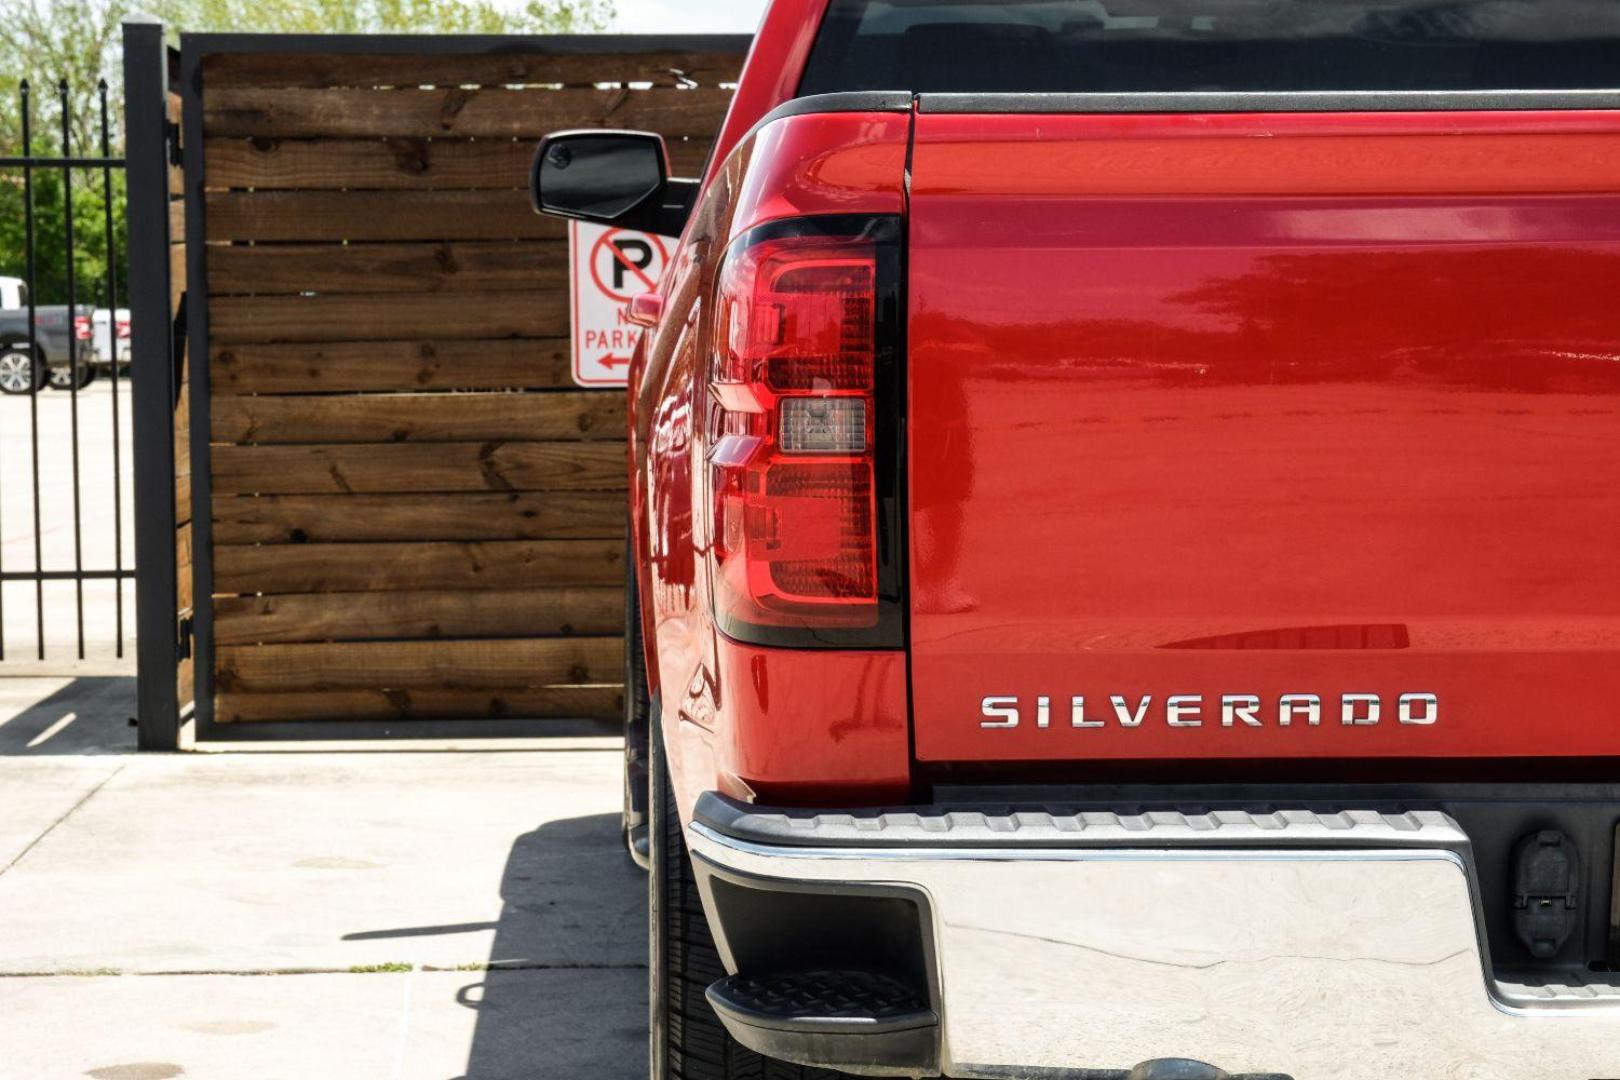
(852, 1020)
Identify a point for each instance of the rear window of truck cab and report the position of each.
(1240, 46)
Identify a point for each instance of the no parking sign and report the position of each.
(609, 267)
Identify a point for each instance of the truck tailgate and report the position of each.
(1318, 410)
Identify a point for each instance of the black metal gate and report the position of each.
(64, 410)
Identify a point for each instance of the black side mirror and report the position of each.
(616, 178)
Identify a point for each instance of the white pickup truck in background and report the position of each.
(109, 338)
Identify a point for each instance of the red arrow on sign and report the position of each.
(611, 362)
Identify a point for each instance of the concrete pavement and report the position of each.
(361, 915)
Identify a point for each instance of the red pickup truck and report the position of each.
(1126, 516)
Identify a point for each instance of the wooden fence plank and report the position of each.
(330, 367)
(551, 515)
(290, 269)
(408, 164)
(177, 274)
(396, 164)
(374, 418)
(538, 65)
(181, 428)
(387, 316)
(263, 112)
(511, 613)
(506, 564)
(542, 703)
(182, 568)
(409, 468)
(449, 665)
(377, 215)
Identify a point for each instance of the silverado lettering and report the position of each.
(1234, 710)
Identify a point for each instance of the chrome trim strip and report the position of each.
(890, 855)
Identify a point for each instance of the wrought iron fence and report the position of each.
(58, 336)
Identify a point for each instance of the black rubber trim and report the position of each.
(857, 1010)
(1020, 1072)
(911, 1047)
(864, 101)
(891, 101)
(1614, 903)
(1277, 101)
(906, 1047)
(977, 827)
(705, 872)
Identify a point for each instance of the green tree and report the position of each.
(48, 43)
(387, 16)
(75, 43)
(50, 236)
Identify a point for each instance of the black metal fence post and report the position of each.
(111, 234)
(147, 139)
(66, 103)
(35, 353)
(201, 641)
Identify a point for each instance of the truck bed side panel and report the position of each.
(1208, 407)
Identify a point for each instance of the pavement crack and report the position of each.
(35, 842)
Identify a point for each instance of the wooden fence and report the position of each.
(404, 509)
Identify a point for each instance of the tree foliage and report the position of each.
(75, 43)
(50, 236)
(48, 43)
(388, 16)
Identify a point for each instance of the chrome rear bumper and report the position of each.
(1324, 947)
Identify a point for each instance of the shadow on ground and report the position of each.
(87, 715)
(612, 1030)
(582, 1016)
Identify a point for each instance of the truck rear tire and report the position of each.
(637, 720)
(688, 1040)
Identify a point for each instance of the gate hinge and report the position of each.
(176, 154)
(182, 639)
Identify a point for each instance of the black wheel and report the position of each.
(688, 1040)
(637, 711)
(18, 372)
(58, 378)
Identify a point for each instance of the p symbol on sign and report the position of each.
(634, 257)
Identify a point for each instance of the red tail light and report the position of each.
(81, 327)
(803, 433)
(123, 329)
